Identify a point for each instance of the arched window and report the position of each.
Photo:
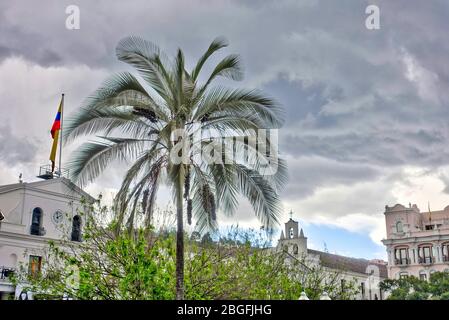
(36, 222)
(291, 233)
(399, 227)
(285, 248)
(295, 249)
(76, 228)
(401, 256)
(425, 255)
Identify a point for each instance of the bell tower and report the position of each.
(293, 240)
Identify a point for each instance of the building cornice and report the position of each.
(408, 240)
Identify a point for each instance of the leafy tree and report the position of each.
(107, 266)
(412, 288)
(137, 119)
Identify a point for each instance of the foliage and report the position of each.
(239, 265)
(412, 288)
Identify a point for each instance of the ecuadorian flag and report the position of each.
(55, 129)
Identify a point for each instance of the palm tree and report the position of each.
(136, 119)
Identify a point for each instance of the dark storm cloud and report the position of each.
(358, 103)
(309, 173)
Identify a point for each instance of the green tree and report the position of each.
(109, 266)
(139, 119)
(412, 288)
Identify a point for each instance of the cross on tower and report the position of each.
(291, 214)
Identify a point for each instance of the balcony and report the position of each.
(425, 260)
(6, 272)
(402, 262)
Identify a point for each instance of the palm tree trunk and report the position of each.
(179, 246)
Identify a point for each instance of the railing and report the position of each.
(425, 260)
(6, 272)
(45, 172)
(401, 262)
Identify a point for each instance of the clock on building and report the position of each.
(57, 217)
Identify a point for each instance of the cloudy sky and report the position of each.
(367, 110)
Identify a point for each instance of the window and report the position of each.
(403, 275)
(291, 233)
(399, 227)
(362, 289)
(76, 229)
(295, 249)
(285, 248)
(429, 227)
(36, 222)
(422, 275)
(35, 264)
(445, 249)
(425, 254)
(401, 256)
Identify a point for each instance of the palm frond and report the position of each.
(240, 103)
(149, 61)
(202, 207)
(104, 121)
(91, 158)
(229, 67)
(261, 194)
(217, 44)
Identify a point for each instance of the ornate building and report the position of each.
(365, 273)
(417, 242)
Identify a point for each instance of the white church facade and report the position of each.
(365, 274)
(33, 214)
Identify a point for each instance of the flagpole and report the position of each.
(60, 136)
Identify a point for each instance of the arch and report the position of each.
(291, 233)
(295, 249)
(36, 222)
(401, 255)
(76, 229)
(425, 253)
(399, 227)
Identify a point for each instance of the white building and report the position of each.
(35, 213)
(366, 274)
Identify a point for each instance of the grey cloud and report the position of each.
(309, 173)
(14, 150)
(359, 104)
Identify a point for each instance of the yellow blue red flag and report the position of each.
(55, 135)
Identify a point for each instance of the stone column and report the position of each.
(437, 254)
